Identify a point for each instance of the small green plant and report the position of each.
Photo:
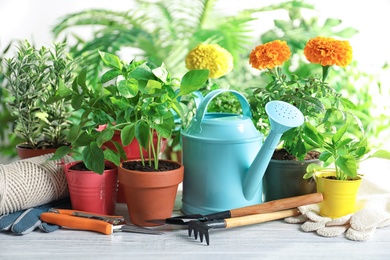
(343, 151)
(138, 99)
(33, 78)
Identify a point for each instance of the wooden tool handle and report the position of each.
(77, 222)
(277, 205)
(260, 218)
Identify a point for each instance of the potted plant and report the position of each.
(33, 78)
(339, 183)
(139, 99)
(316, 99)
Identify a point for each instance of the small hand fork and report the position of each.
(202, 228)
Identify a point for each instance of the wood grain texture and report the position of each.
(277, 205)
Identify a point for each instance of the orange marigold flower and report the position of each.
(328, 51)
(269, 55)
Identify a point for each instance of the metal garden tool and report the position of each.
(224, 157)
(93, 222)
(202, 228)
(266, 207)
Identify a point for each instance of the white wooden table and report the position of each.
(272, 240)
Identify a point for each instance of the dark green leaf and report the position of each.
(112, 156)
(142, 133)
(61, 152)
(109, 75)
(104, 136)
(127, 134)
(94, 158)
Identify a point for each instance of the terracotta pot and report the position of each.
(284, 179)
(150, 195)
(25, 153)
(339, 196)
(132, 151)
(92, 192)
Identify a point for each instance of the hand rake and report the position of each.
(201, 229)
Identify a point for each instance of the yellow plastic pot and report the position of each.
(339, 196)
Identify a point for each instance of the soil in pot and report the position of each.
(162, 166)
(282, 154)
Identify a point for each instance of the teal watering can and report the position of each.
(224, 155)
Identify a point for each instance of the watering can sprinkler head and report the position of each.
(282, 116)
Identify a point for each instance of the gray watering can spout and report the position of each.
(282, 116)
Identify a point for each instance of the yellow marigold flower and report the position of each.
(269, 55)
(212, 57)
(328, 51)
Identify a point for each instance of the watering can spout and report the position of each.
(255, 173)
(282, 117)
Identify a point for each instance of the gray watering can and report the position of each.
(224, 155)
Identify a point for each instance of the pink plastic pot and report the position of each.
(93, 192)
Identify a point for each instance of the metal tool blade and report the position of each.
(137, 229)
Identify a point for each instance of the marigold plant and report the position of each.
(212, 57)
(317, 100)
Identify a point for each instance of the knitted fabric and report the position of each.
(374, 212)
(31, 182)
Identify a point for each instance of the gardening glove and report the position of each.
(25, 221)
(358, 226)
(324, 226)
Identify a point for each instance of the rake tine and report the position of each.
(202, 228)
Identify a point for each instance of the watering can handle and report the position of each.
(202, 109)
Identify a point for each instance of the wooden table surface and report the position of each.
(272, 240)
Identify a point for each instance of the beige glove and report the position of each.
(358, 226)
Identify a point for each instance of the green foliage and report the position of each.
(312, 96)
(339, 148)
(138, 99)
(7, 142)
(163, 30)
(33, 77)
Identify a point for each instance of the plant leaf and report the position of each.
(142, 133)
(111, 60)
(61, 152)
(347, 165)
(193, 80)
(339, 134)
(112, 156)
(127, 134)
(93, 158)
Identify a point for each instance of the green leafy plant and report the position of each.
(7, 141)
(138, 99)
(33, 78)
(339, 148)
